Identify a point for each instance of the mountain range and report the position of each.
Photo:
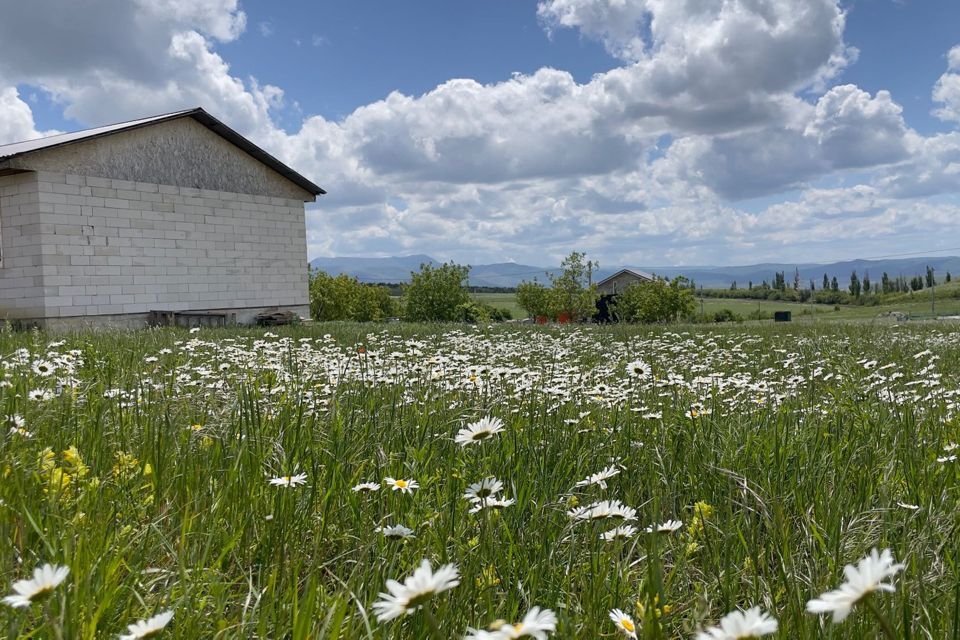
(510, 274)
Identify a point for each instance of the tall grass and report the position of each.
(800, 448)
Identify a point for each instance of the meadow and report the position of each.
(567, 482)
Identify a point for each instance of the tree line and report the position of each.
(857, 290)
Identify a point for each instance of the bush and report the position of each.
(726, 315)
(346, 298)
(657, 301)
(436, 294)
(474, 312)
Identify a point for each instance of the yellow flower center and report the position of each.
(627, 624)
(480, 435)
(401, 483)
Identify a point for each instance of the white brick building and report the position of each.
(175, 213)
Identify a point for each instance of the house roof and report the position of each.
(9, 151)
(643, 275)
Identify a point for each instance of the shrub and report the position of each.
(436, 294)
(345, 298)
(657, 301)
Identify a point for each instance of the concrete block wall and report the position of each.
(111, 247)
(21, 269)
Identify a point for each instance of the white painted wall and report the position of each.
(110, 247)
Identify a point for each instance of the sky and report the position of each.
(643, 132)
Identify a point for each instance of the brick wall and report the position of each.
(21, 272)
(116, 247)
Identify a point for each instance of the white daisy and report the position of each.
(397, 532)
(149, 628)
(619, 533)
(536, 624)
(603, 509)
(861, 580)
(478, 431)
(665, 527)
(483, 489)
(739, 625)
(45, 580)
(43, 368)
(624, 622)
(415, 590)
(366, 487)
(289, 481)
(600, 478)
(639, 369)
(404, 486)
(491, 503)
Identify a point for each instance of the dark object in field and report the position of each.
(192, 318)
(272, 318)
(782, 316)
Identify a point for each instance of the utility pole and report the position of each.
(933, 296)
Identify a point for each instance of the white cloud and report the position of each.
(539, 164)
(947, 89)
(16, 118)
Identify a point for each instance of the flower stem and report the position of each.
(432, 622)
(884, 623)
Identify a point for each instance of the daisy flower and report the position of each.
(600, 478)
(740, 625)
(490, 503)
(396, 532)
(43, 368)
(624, 622)
(405, 486)
(289, 481)
(478, 431)
(149, 628)
(366, 487)
(639, 369)
(603, 509)
(536, 624)
(45, 580)
(483, 489)
(665, 527)
(619, 533)
(861, 580)
(416, 590)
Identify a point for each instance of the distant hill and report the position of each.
(510, 274)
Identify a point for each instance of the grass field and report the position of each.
(917, 305)
(254, 484)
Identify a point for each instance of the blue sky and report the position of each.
(646, 132)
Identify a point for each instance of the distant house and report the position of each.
(171, 213)
(622, 279)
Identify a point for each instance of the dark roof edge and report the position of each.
(209, 122)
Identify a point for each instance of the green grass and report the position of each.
(804, 441)
(506, 301)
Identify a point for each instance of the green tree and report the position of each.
(534, 298)
(657, 301)
(571, 293)
(435, 293)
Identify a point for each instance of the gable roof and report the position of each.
(643, 275)
(16, 149)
